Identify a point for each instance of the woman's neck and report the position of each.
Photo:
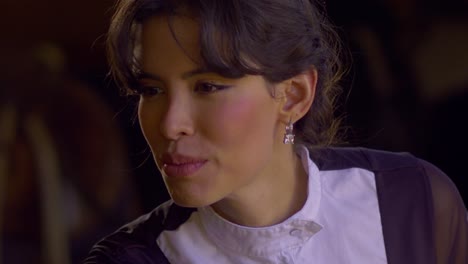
(280, 192)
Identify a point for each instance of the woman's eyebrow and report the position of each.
(197, 71)
(147, 75)
(185, 75)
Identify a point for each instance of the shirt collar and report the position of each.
(264, 241)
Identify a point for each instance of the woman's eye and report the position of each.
(150, 91)
(209, 87)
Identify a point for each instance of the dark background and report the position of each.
(407, 89)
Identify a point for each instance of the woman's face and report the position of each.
(211, 137)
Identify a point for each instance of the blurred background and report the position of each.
(79, 167)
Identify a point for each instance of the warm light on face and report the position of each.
(211, 137)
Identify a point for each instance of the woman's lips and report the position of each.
(183, 169)
(180, 165)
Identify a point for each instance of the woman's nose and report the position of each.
(177, 120)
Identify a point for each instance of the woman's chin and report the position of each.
(193, 201)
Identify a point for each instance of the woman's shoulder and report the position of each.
(135, 242)
(420, 207)
(335, 158)
(450, 219)
(391, 169)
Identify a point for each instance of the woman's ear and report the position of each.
(299, 95)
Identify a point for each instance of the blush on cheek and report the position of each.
(237, 119)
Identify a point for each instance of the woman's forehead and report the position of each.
(169, 43)
(183, 29)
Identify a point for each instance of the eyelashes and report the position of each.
(149, 91)
(199, 88)
(208, 87)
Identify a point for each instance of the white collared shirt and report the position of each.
(339, 223)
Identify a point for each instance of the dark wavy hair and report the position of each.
(276, 39)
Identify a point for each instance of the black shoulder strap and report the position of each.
(405, 202)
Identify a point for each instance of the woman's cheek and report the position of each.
(143, 117)
(149, 120)
(233, 121)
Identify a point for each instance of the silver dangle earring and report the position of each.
(289, 135)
